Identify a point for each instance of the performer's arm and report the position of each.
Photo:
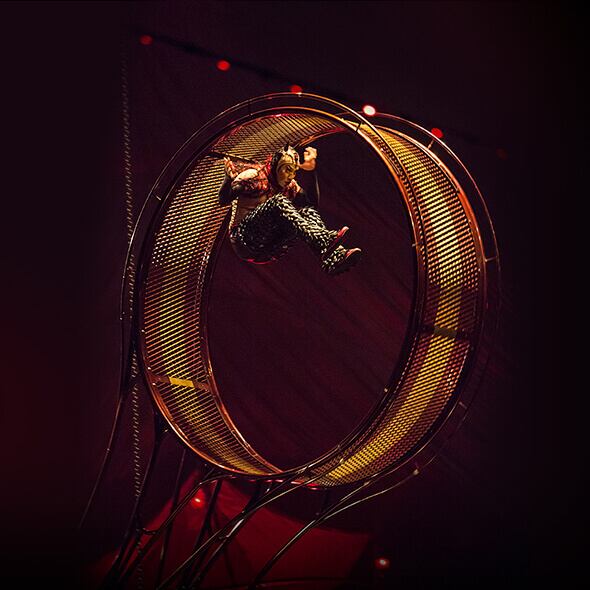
(236, 185)
(309, 198)
(310, 155)
(225, 196)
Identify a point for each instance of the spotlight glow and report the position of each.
(198, 501)
(382, 563)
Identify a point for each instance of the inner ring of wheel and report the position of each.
(177, 265)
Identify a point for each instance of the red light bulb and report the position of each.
(198, 501)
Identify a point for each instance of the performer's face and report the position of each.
(286, 171)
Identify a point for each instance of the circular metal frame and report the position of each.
(455, 304)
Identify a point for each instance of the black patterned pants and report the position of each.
(272, 228)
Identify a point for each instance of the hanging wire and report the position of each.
(129, 223)
(269, 74)
(129, 372)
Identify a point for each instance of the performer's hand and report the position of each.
(309, 157)
(230, 171)
(310, 153)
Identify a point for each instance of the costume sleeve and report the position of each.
(245, 184)
(230, 169)
(225, 197)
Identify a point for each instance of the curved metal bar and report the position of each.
(155, 535)
(233, 452)
(128, 381)
(204, 568)
(126, 548)
(432, 139)
(136, 513)
(106, 459)
(282, 489)
(218, 535)
(175, 498)
(234, 431)
(157, 205)
(205, 528)
(337, 507)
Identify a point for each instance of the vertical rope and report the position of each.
(127, 176)
(129, 223)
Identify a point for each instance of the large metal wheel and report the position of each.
(454, 305)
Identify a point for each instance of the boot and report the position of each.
(341, 260)
(337, 237)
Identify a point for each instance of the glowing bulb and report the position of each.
(437, 132)
(295, 88)
(198, 501)
(382, 563)
(369, 110)
(146, 39)
(223, 65)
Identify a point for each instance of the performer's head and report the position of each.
(284, 165)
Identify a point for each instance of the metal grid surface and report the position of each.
(450, 285)
(175, 352)
(448, 248)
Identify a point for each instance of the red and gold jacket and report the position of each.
(252, 186)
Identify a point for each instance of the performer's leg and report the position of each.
(273, 226)
(313, 216)
(263, 234)
(308, 225)
(335, 258)
(340, 260)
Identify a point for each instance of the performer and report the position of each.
(273, 211)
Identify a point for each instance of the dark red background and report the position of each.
(503, 499)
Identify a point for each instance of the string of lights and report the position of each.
(226, 63)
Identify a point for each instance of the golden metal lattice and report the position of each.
(450, 292)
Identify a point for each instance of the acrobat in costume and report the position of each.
(269, 218)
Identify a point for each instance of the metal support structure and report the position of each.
(445, 352)
(133, 533)
(124, 574)
(454, 292)
(205, 530)
(168, 532)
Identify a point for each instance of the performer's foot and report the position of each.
(337, 237)
(346, 262)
